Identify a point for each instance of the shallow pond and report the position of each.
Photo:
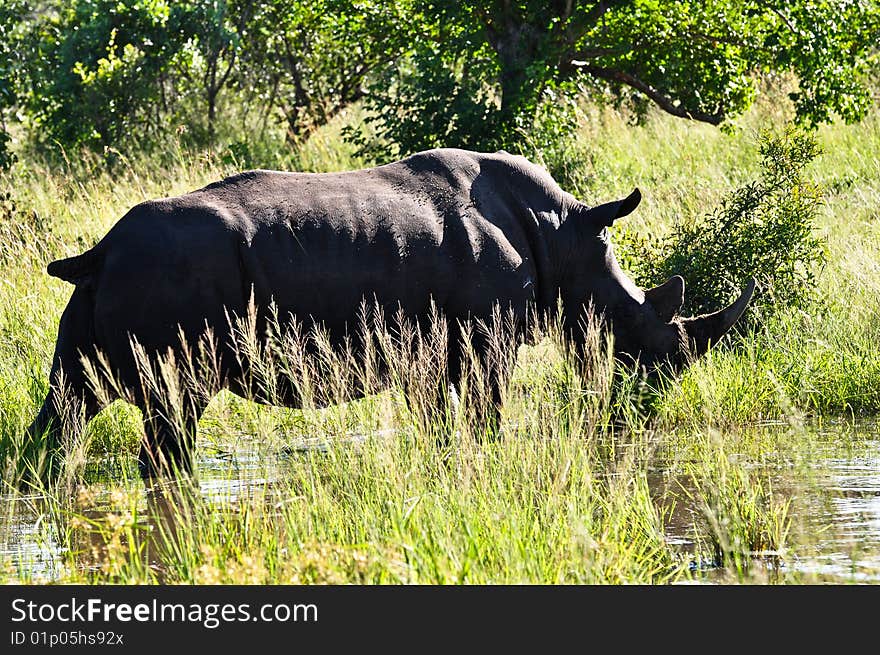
(834, 504)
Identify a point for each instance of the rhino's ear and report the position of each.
(609, 212)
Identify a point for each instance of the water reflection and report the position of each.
(29, 542)
(850, 547)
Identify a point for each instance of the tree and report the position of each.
(315, 57)
(108, 72)
(434, 72)
(478, 69)
(11, 16)
(101, 68)
(216, 28)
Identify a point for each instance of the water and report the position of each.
(29, 540)
(836, 511)
(850, 520)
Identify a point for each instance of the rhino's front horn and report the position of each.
(707, 329)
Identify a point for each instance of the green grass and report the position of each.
(586, 486)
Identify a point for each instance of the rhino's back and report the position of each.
(315, 244)
(404, 233)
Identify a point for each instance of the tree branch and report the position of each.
(572, 27)
(593, 53)
(663, 101)
(785, 20)
(225, 76)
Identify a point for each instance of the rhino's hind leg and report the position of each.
(62, 417)
(487, 375)
(168, 444)
(70, 402)
(47, 424)
(66, 407)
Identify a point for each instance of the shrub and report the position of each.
(764, 230)
(7, 157)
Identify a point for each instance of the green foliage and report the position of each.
(310, 60)
(440, 94)
(552, 140)
(101, 69)
(477, 71)
(103, 73)
(11, 13)
(482, 75)
(764, 229)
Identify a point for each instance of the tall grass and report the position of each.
(546, 502)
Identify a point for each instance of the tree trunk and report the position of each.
(517, 46)
(514, 92)
(212, 112)
(212, 96)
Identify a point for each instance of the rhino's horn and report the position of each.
(667, 298)
(707, 329)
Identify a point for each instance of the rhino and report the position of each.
(445, 230)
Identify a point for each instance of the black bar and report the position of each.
(420, 617)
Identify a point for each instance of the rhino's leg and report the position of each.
(426, 388)
(436, 402)
(169, 444)
(70, 402)
(493, 357)
(429, 406)
(486, 408)
(47, 423)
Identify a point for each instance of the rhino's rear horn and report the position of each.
(668, 298)
(707, 329)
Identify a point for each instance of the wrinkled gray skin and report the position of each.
(465, 229)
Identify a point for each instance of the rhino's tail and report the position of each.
(75, 269)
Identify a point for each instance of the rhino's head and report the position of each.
(645, 323)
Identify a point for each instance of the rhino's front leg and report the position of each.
(486, 408)
(482, 407)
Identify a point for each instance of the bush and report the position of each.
(7, 157)
(10, 16)
(764, 230)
